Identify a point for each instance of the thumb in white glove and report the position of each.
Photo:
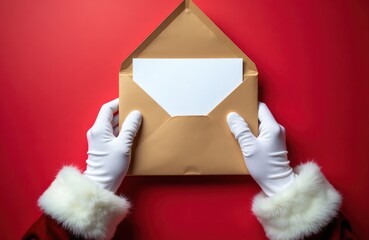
(266, 155)
(109, 154)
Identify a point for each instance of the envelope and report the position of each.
(187, 145)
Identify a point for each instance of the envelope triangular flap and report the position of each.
(187, 33)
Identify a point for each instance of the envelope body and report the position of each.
(187, 145)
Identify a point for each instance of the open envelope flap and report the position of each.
(196, 144)
(188, 33)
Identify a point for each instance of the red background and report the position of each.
(59, 61)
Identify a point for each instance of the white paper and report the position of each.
(186, 87)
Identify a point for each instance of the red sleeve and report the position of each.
(46, 228)
(338, 229)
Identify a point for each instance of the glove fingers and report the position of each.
(264, 114)
(268, 125)
(130, 128)
(107, 112)
(239, 128)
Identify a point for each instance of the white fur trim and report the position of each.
(300, 210)
(82, 207)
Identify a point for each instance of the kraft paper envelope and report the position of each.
(187, 145)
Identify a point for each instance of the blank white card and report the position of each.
(188, 86)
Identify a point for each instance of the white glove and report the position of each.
(266, 155)
(109, 154)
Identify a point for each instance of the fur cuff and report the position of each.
(302, 209)
(82, 207)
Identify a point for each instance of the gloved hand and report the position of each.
(266, 155)
(109, 154)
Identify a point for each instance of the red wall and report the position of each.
(59, 61)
